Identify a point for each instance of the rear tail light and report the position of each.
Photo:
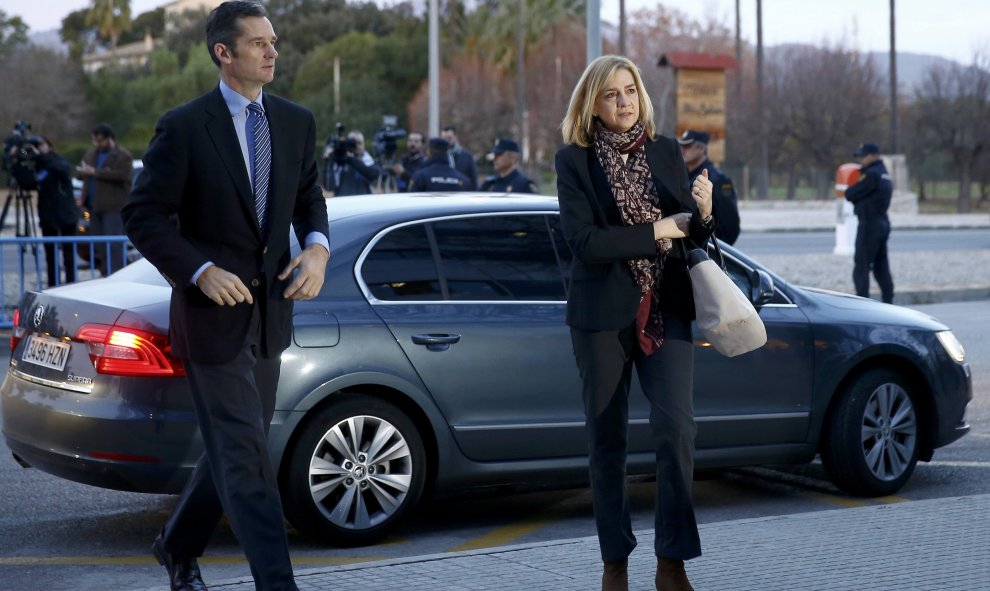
(17, 332)
(122, 351)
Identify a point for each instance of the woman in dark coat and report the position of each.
(625, 200)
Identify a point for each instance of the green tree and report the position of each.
(152, 22)
(76, 33)
(111, 18)
(13, 32)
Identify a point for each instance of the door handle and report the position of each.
(436, 342)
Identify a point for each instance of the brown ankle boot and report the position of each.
(616, 576)
(671, 576)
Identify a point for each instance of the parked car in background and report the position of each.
(436, 359)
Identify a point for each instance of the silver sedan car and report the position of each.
(436, 360)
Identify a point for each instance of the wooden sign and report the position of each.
(701, 96)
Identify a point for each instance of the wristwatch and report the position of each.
(708, 221)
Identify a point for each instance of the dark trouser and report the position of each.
(605, 359)
(234, 404)
(109, 258)
(871, 252)
(68, 253)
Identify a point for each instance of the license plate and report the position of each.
(46, 352)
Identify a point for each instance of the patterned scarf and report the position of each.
(639, 203)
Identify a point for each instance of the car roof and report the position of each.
(397, 207)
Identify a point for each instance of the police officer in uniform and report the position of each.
(870, 197)
(437, 174)
(694, 147)
(505, 157)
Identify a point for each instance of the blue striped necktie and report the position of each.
(260, 152)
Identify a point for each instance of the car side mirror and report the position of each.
(762, 288)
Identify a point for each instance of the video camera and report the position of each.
(385, 138)
(20, 156)
(339, 147)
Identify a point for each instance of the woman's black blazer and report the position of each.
(603, 294)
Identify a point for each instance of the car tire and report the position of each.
(872, 440)
(357, 469)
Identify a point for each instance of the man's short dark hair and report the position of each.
(222, 25)
(104, 130)
(452, 129)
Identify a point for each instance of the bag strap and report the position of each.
(696, 253)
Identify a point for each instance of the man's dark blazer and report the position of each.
(194, 174)
(603, 294)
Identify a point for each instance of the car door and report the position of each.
(477, 304)
(762, 397)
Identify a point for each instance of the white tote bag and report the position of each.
(723, 313)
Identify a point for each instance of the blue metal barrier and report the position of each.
(87, 253)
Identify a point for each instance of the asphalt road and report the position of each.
(756, 243)
(58, 535)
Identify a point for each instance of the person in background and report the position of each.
(354, 169)
(412, 160)
(460, 158)
(507, 178)
(437, 174)
(58, 213)
(694, 147)
(870, 197)
(106, 172)
(625, 198)
(237, 167)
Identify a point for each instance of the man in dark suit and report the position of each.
(223, 178)
(460, 158)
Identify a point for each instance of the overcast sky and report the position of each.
(950, 29)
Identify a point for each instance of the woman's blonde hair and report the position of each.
(578, 125)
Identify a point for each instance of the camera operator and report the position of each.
(106, 174)
(411, 161)
(350, 170)
(57, 209)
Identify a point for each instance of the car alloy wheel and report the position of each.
(358, 467)
(871, 444)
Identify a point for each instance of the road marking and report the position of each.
(851, 502)
(146, 560)
(501, 536)
(955, 464)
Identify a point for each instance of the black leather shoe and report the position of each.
(183, 575)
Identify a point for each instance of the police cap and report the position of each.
(692, 135)
(865, 149)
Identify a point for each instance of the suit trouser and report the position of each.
(235, 403)
(871, 252)
(605, 359)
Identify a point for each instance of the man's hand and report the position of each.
(223, 288)
(312, 265)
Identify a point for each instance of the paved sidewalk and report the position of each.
(933, 545)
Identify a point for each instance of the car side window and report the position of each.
(561, 249)
(401, 266)
(507, 257)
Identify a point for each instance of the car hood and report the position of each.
(833, 306)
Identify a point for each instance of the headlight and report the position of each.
(952, 345)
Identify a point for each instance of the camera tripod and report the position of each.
(23, 220)
(23, 210)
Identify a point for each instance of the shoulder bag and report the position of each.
(723, 312)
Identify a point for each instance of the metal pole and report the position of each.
(622, 27)
(521, 78)
(434, 84)
(594, 30)
(336, 85)
(738, 53)
(762, 180)
(893, 83)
